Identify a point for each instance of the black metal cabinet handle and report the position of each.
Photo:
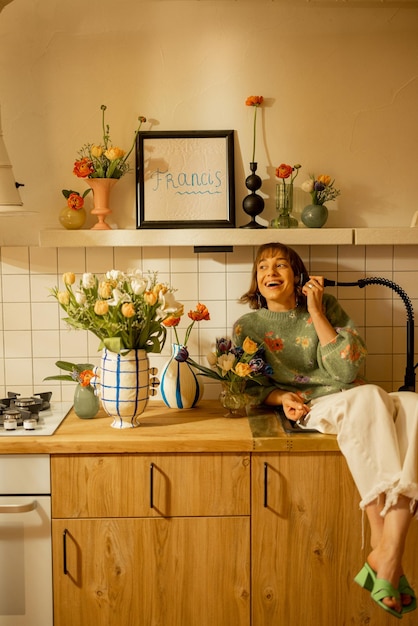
(265, 485)
(64, 551)
(151, 485)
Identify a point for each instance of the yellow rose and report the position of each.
(101, 307)
(128, 309)
(249, 346)
(150, 298)
(114, 153)
(105, 289)
(68, 278)
(324, 179)
(242, 369)
(63, 297)
(96, 151)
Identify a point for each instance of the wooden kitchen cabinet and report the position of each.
(307, 544)
(151, 539)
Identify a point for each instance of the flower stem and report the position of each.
(254, 132)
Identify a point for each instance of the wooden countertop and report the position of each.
(202, 429)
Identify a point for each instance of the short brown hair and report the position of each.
(253, 296)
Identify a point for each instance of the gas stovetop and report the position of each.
(35, 415)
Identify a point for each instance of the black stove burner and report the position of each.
(27, 407)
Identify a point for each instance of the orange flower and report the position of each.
(284, 171)
(83, 168)
(85, 377)
(200, 313)
(254, 101)
(171, 321)
(75, 201)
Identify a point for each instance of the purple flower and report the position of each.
(237, 351)
(182, 354)
(223, 345)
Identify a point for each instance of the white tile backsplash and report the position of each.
(33, 335)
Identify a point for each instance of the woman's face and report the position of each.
(276, 282)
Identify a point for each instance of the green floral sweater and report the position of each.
(300, 364)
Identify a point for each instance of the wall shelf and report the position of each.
(226, 237)
(194, 237)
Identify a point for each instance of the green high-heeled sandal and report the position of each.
(406, 589)
(379, 588)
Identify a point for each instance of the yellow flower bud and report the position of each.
(63, 297)
(242, 369)
(68, 278)
(114, 153)
(96, 151)
(105, 289)
(128, 309)
(101, 307)
(249, 346)
(150, 298)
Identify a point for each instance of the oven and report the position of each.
(25, 541)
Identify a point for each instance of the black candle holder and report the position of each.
(253, 204)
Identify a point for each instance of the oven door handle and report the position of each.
(18, 508)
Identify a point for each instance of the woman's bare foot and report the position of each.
(388, 568)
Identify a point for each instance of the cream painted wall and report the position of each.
(341, 89)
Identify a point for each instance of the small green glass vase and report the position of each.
(86, 403)
(284, 206)
(314, 215)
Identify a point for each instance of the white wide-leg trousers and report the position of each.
(377, 433)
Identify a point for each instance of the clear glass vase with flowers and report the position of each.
(284, 196)
(237, 369)
(180, 388)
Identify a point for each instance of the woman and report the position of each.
(316, 352)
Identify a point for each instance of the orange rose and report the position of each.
(254, 101)
(83, 168)
(284, 171)
(85, 377)
(75, 201)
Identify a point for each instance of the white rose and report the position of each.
(88, 281)
(308, 185)
(80, 298)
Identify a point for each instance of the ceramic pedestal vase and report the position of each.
(253, 204)
(86, 403)
(124, 386)
(234, 398)
(180, 386)
(314, 215)
(101, 194)
(284, 206)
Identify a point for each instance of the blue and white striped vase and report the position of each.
(180, 387)
(124, 386)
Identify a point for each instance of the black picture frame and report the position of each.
(185, 179)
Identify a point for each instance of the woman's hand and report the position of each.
(293, 405)
(314, 290)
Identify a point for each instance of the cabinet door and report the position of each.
(150, 485)
(152, 572)
(307, 543)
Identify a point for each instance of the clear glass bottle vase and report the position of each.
(284, 207)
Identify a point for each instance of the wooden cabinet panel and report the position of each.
(155, 572)
(127, 485)
(307, 543)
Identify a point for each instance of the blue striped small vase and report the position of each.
(124, 386)
(180, 387)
